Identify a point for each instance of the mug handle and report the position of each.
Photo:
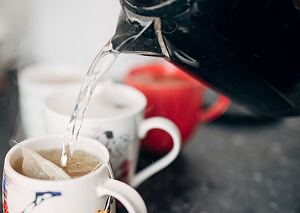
(168, 126)
(215, 110)
(127, 195)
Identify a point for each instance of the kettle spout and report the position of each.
(139, 35)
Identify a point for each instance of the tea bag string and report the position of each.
(111, 174)
(96, 167)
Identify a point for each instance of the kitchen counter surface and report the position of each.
(238, 163)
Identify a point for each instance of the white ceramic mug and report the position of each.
(86, 194)
(35, 83)
(121, 134)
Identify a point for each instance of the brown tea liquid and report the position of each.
(81, 162)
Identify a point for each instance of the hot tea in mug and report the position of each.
(82, 162)
(88, 193)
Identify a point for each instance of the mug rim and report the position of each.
(38, 73)
(7, 161)
(142, 99)
(161, 69)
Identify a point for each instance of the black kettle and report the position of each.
(248, 50)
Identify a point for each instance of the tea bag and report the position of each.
(35, 166)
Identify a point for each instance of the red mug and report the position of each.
(173, 94)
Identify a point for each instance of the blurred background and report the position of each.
(33, 31)
(237, 163)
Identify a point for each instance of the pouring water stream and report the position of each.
(99, 67)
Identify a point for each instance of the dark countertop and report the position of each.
(238, 163)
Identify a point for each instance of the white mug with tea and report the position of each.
(35, 82)
(115, 117)
(88, 193)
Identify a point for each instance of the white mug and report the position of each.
(121, 134)
(86, 194)
(35, 83)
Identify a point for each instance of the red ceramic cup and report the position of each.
(173, 94)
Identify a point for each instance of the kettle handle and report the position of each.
(218, 108)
